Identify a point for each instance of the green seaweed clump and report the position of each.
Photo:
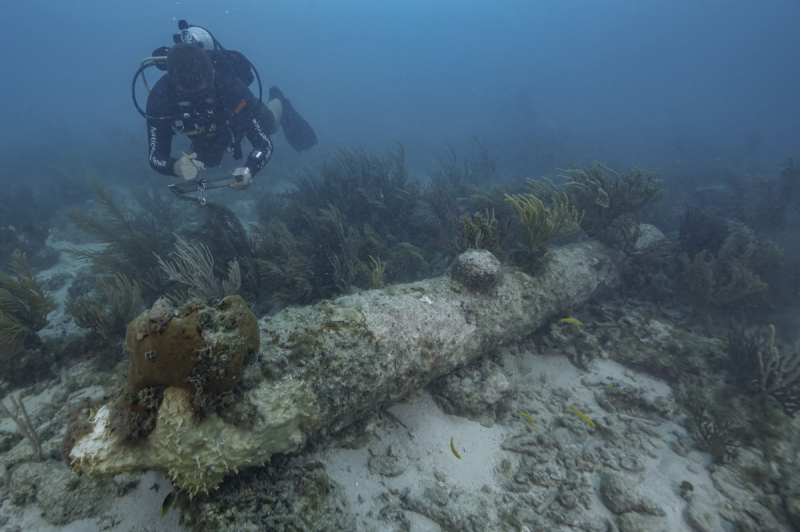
(132, 242)
(765, 203)
(604, 197)
(193, 266)
(701, 229)
(24, 306)
(406, 263)
(364, 188)
(316, 264)
(539, 224)
(760, 366)
(710, 283)
(715, 431)
(484, 232)
(729, 277)
(624, 233)
(478, 169)
(374, 275)
(110, 314)
(326, 256)
(223, 241)
(312, 238)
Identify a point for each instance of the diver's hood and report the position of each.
(195, 35)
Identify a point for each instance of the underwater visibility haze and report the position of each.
(400, 266)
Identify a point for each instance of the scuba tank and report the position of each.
(227, 62)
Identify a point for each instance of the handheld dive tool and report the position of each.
(202, 184)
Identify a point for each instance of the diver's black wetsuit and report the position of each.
(235, 114)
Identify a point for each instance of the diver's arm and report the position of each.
(159, 132)
(247, 119)
(262, 145)
(258, 158)
(159, 146)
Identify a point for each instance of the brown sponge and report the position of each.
(198, 348)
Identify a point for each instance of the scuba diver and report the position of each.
(205, 96)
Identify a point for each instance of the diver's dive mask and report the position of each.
(198, 97)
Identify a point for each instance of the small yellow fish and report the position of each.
(612, 385)
(571, 320)
(453, 448)
(167, 504)
(523, 414)
(583, 417)
(440, 396)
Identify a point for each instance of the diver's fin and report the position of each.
(298, 132)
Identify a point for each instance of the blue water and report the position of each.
(641, 83)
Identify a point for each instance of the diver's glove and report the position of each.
(186, 167)
(246, 178)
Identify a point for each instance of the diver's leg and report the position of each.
(276, 107)
(272, 113)
(297, 131)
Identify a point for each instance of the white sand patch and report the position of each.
(61, 323)
(138, 511)
(141, 508)
(426, 443)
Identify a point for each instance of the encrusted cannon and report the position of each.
(323, 367)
